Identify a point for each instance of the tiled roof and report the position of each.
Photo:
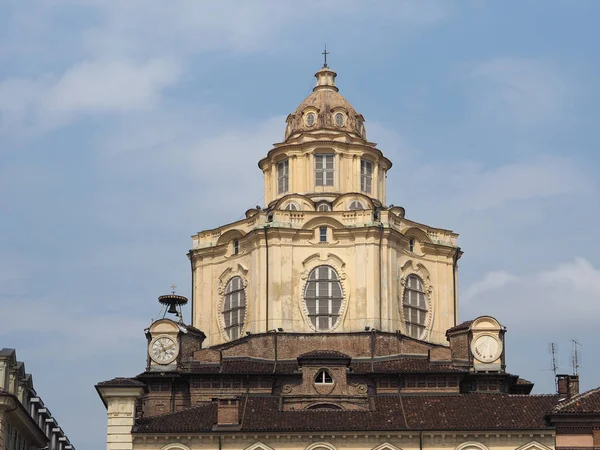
(588, 402)
(441, 412)
(401, 364)
(241, 366)
(121, 382)
(405, 365)
(461, 326)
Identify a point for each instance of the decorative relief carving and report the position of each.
(361, 388)
(238, 271)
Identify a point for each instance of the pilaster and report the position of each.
(121, 410)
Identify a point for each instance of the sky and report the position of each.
(126, 127)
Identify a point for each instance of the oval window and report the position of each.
(339, 120)
(310, 119)
(323, 297)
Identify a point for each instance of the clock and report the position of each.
(486, 348)
(164, 350)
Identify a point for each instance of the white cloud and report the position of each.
(519, 91)
(556, 297)
(111, 86)
(183, 27)
(579, 274)
(490, 281)
(546, 176)
(101, 86)
(466, 186)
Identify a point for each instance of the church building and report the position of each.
(326, 319)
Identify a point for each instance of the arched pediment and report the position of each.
(229, 236)
(340, 203)
(416, 233)
(306, 203)
(321, 445)
(175, 447)
(322, 221)
(471, 445)
(486, 323)
(259, 446)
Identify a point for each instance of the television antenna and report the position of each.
(575, 355)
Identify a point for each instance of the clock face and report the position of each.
(486, 348)
(163, 350)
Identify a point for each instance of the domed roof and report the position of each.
(325, 109)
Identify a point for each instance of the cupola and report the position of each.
(325, 109)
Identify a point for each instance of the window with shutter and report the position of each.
(324, 170)
(323, 297)
(234, 308)
(366, 176)
(282, 176)
(414, 306)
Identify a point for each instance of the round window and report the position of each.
(310, 119)
(339, 120)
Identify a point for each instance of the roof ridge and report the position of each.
(575, 398)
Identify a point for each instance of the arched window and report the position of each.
(414, 306)
(291, 207)
(323, 296)
(323, 377)
(234, 308)
(324, 207)
(356, 205)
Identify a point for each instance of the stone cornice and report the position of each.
(10, 405)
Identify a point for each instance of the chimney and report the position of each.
(228, 412)
(568, 386)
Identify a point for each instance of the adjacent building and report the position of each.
(327, 319)
(25, 422)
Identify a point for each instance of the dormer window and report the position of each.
(411, 244)
(291, 207)
(359, 126)
(310, 119)
(323, 377)
(282, 176)
(339, 120)
(236, 246)
(356, 205)
(324, 169)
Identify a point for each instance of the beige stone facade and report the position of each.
(372, 247)
(326, 320)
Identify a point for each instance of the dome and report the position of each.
(325, 109)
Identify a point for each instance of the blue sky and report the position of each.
(126, 127)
